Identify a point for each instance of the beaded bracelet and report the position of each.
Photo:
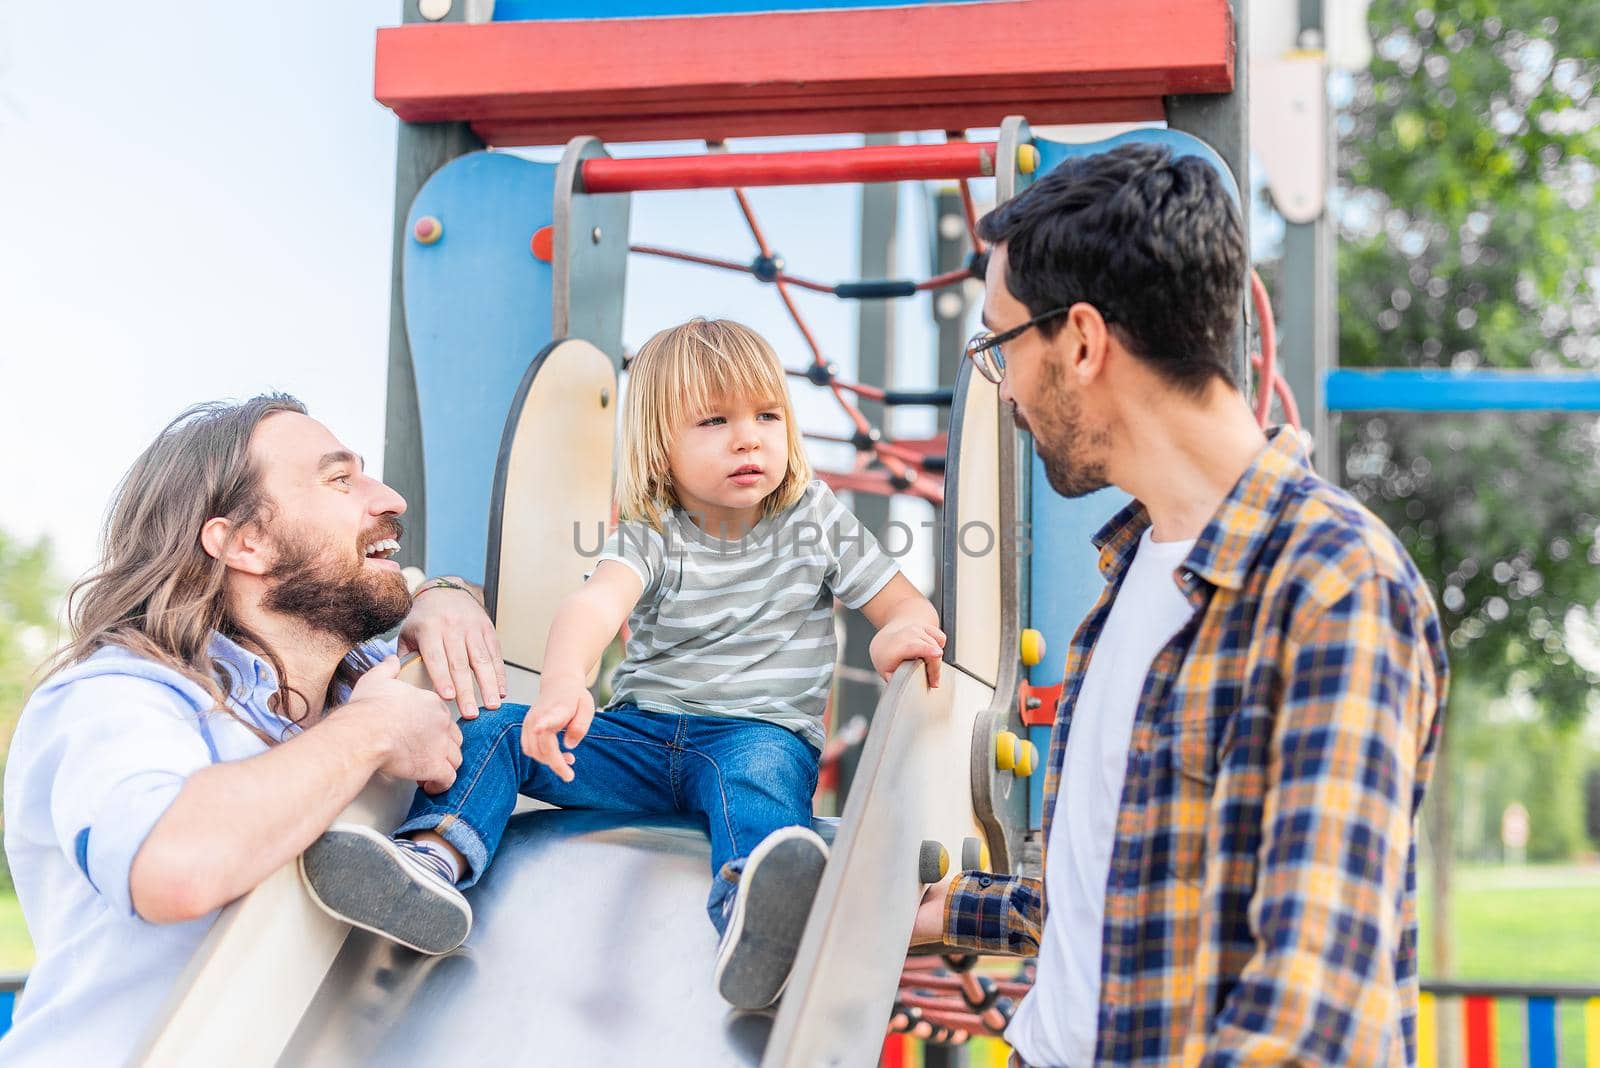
(439, 584)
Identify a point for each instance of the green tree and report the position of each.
(28, 599)
(1469, 156)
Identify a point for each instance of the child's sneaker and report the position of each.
(402, 890)
(769, 911)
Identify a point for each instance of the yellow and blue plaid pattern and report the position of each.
(1261, 904)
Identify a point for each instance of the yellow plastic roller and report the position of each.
(1005, 750)
(933, 862)
(1027, 758)
(1031, 647)
(1027, 159)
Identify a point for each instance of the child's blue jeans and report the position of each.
(742, 777)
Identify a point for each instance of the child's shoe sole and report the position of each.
(361, 877)
(776, 890)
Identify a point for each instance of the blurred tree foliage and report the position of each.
(1469, 154)
(1507, 756)
(28, 599)
(1470, 237)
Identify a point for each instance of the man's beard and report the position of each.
(1066, 446)
(333, 596)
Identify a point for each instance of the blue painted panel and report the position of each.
(1065, 583)
(1052, 153)
(1461, 391)
(535, 10)
(478, 311)
(1542, 1033)
(1066, 578)
(8, 1006)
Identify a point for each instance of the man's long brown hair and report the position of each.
(156, 591)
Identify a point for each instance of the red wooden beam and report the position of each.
(924, 66)
(877, 163)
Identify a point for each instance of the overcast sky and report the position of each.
(198, 205)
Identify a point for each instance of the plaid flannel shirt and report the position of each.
(1261, 904)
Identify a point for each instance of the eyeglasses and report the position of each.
(984, 348)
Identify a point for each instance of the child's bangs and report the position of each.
(720, 371)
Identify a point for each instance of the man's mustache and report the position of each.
(387, 528)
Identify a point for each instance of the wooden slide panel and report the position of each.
(552, 494)
(983, 479)
(913, 784)
(981, 569)
(522, 686)
(974, 530)
(245, 990)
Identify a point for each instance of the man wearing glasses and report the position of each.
(1251, 710)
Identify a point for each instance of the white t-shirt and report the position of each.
(744, 628)
(1057, 1023)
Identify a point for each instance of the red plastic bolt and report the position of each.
(428, 230)
(544, 243)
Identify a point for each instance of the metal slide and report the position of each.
(592, 946)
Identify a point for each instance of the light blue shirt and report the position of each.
(99, 754)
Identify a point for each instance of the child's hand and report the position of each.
(564, 704)
(898, 643)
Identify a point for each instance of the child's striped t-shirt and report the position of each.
(744, 627)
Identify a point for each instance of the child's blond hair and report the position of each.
(678, 375)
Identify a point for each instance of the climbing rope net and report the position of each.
(916, 466)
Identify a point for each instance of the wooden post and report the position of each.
(1222, 121)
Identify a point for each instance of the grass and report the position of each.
(16, 948)
(1526, 924)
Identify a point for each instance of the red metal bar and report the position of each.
(896, 449)
(970, 210)
(1269, 347)
(938, 281)
(728, 265)
(949, 278)
(927, 1003)
(929, 488)
(951, 1018)
(748, 212)
(873, 163)
(1008, 987)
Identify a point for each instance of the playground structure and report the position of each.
(510, 280)
(504, 384)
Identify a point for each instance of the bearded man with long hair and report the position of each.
(225, 694)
